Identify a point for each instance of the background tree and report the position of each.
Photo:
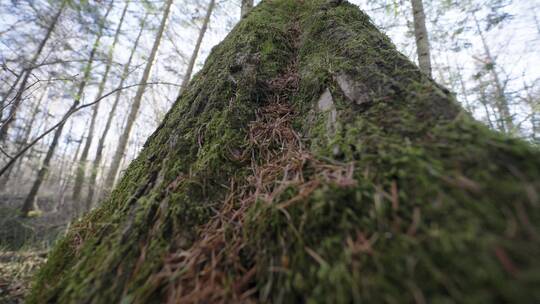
(136, 104)
(25, 75)
(422, 37)
(29, 201)
(81, 171)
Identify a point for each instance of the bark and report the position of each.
(501, 102)
(28, 204)
(246, 7)
(310, 162)
(81, 169)
(534, 105)
(26, 74)
(137, 100)
(71, 173)
(200, 37)
(101, 143)
(422, 37)
(464, 91)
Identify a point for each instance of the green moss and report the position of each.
(443, 209)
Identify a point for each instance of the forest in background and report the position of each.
(83, 84)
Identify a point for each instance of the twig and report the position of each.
(5, 153)
(64, 119)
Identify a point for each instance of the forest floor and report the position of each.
(23, 245)
(16, 271)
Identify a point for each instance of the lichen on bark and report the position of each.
(401, 198)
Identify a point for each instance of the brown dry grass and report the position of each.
(16, 271)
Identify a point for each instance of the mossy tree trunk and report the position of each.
(309, 161)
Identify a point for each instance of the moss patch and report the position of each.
(406, 199)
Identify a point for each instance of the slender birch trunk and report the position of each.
(133, 112)
(422, 37)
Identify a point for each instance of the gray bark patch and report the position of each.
(326, 104)
(353, 90)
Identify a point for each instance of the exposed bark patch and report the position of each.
(326, 104)
(353, 90)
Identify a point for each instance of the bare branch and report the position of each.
(66, 116)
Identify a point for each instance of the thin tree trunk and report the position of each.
(101, 143)
(193, 58)
(246, 7)
(27, 72)
(133, 112)
(503, 108)
(535, 117)
(24, 139)
(29, 201)
(463, 88)
(72, 169)
(484, 101)
(64, 159)
(41, 126)
(81, 168)
(422, 37)
(5, 96)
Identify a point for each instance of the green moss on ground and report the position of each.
(443, 210)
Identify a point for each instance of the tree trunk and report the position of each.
(193, 58)
(463, 89)
(25, 137)
(101, 143)
(422, 37)
(81, 168)
(134, 110)
(534, 104)
(42, 173)
(310, 162)
(501, 102)
(5, 96)
(71, 173)
(27, 72)
(246, 7)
